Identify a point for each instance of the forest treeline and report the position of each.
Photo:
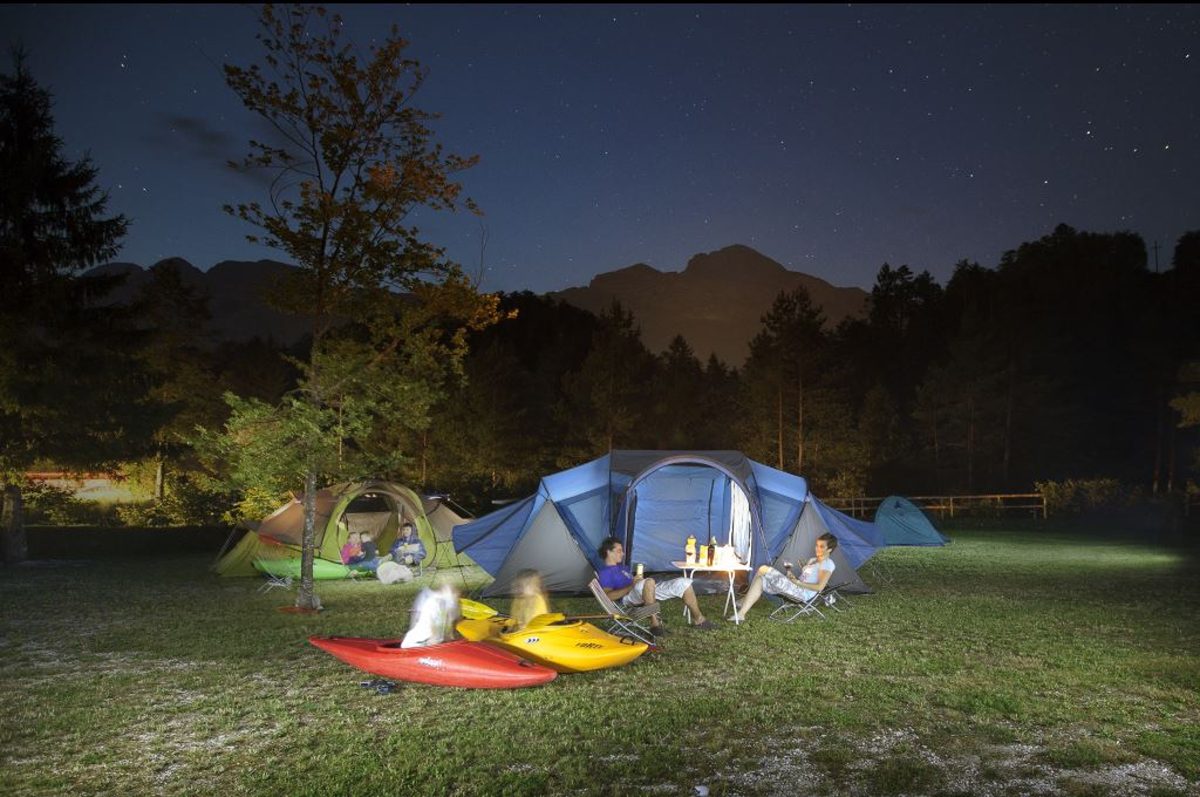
(1069, 359)
(1061, 362)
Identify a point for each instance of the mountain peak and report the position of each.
(716, 303)
(736, 259)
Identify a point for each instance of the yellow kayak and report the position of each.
(556, 641)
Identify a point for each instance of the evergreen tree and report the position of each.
(604, 402)
(69, 390)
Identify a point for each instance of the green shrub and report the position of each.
(1085, 496)
(46, 505)
(185, 504)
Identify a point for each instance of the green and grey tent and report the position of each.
(378, 507)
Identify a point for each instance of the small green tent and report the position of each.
(378, 507)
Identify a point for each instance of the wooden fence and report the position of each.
(943, 506)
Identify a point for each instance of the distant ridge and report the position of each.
(236, 292)
(717, 302)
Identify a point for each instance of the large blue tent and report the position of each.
(652, 501)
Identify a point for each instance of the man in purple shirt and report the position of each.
(619, 585)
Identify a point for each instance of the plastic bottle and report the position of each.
(712, 549)
(690, 549)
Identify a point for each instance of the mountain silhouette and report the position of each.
(716, 303)
(236, 291)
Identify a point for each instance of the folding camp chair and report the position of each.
(275, 581)
(791, 608)
(629, 621)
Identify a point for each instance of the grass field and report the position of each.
(1007, 663)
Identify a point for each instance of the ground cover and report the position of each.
(1007, 663)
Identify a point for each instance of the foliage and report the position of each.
(604, 399)
(186, 503)
(351, 160)
(70, 387)
(47, 505)
(1084, 496)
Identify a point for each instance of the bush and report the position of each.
(185, 504)
(51, 506)
(1082, 496)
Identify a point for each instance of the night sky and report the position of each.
(830, 138)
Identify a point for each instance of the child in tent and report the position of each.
(531, 599)
(434, 614)
(352, 550)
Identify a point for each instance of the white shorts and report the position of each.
(663, 590)
(777, 583)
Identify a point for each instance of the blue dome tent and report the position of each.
(901, 522)
(652, 501)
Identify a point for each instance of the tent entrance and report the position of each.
(671, 502)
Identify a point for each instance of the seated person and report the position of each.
(408, 548)
(434, 614)
(531, 598)
(619, 585)
(368, 556)
(352, 550)
(813, 578)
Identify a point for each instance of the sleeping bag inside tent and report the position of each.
(377, 507)
(652, 501)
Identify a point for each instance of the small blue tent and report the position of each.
(901, 522)
(652, 501)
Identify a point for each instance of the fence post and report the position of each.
(952, 507)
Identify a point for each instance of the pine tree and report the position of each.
(68, 389)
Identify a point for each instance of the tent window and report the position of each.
(739, 522)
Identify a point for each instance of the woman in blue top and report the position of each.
(813, 578)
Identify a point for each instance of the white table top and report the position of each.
(711, 568)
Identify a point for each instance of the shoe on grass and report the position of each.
(659, 630)
(707, 625)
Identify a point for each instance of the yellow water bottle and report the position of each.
(690, 549)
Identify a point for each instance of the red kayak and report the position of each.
(472, 665)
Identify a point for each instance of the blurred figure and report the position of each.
(352, 550)
(531, 599)
(368, 556)
(408, 548)
(434, 613)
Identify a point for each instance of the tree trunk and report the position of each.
(306, 599)
(779, 434)
(158, 477)
(1009, 401)
(1156, 479)
(971, 445)
(12, 525)
(799, 421)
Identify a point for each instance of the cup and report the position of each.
(641, 570)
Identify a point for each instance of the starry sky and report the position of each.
(830, 138)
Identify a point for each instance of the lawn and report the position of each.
(1007, 663)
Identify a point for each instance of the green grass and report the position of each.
(1000, 662)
